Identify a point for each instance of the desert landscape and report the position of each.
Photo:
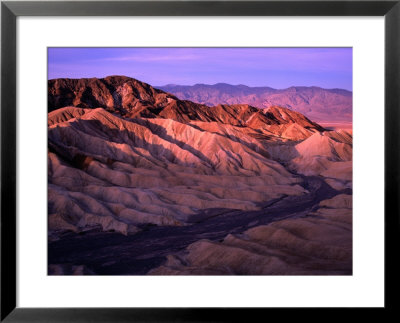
(198, 180)
(214, 190)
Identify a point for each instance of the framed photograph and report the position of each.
(197, 160)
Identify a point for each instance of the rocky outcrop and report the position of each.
(131, 98)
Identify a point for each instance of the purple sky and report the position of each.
(274, 67)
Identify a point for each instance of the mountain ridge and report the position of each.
(131, 98)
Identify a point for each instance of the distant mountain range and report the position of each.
(318, 104)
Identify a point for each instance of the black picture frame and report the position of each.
(10, 10)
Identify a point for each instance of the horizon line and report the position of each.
(207, 84)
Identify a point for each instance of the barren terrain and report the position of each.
(141, 182)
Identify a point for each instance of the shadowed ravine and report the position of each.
(109, 253)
